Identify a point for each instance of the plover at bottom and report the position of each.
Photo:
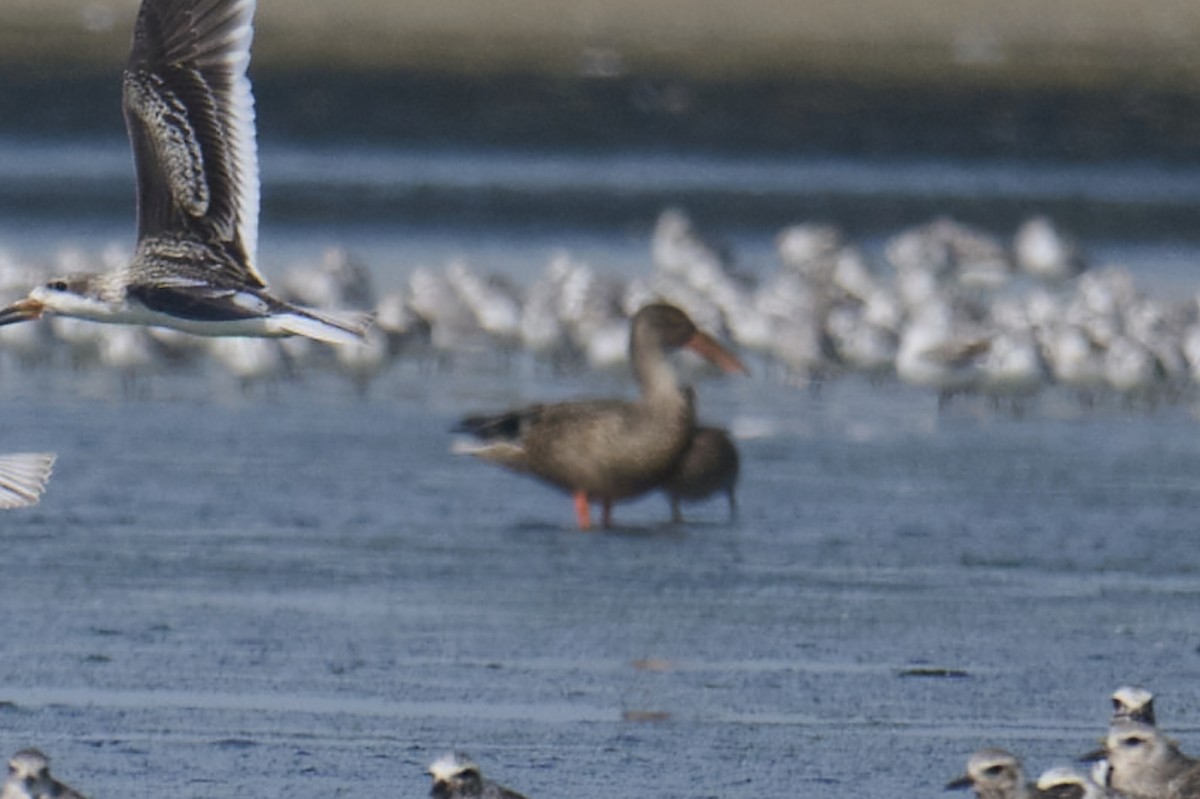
(1145, 764)
(1064, 782)
(29, 778)
(994, 774)
(1133, 703)
(456, 776)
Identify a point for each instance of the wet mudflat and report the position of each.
(309, 595)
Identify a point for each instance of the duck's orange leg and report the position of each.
(582, 512)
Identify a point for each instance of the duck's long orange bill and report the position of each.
(21, 311)
(710, 348)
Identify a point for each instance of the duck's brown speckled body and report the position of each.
(606, 450)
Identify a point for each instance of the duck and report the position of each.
(608, 450)
(710, 464)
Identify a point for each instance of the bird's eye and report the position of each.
(993, 771)
(57, 285)
(1129, 743)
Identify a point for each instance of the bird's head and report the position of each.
(28, 770)
(74, 295)
(454, 774)
(670, 328)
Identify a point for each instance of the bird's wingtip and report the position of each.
(23, 478)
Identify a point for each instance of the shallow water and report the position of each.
(306, 594)
(311, 595)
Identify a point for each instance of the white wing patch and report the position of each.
(23, 478)
(250, 302)
(230, 54)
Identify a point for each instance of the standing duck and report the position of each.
(709, 464)
(604, 450)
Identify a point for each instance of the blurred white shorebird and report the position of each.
(190, 117)
(23, 478)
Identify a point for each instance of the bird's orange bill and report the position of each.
(706, 345)
(21, 311)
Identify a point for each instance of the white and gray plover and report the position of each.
(23, 478)
(1064, 782)
(994, 774)
(1145, 764)
(189, 113)
(1133, 703)
(456, 776)
(29, 778)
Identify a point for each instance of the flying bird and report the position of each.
(23, 478)
(189, 113)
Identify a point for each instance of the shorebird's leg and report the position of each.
(676, 511)
(582, 511)
(607, 513)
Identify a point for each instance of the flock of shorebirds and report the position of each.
(953, 317)
(190, 118)
(455, 776)
(1136, 761)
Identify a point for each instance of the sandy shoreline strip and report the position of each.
(1067, 43)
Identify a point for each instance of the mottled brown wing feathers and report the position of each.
(190, 115)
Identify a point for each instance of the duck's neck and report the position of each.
(654, 372)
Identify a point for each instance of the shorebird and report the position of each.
(29, 778)
(189, 113)
(1063, 782)
(1145, 764)
(23, 478)
(994, 774)
(1133, 703)
(709, 464)
(456, 776)
(604, 450)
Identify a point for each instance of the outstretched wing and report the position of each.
(23, 477)
(190, 116)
